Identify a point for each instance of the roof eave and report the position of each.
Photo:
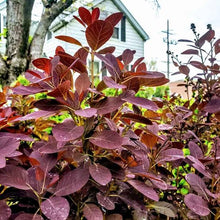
(131, 19)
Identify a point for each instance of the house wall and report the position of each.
(75, 29)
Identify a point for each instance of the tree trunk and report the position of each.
(18, 49)
(18, 26)
(48, 16)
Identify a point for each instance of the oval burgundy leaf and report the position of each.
(195, 150)
(198, 65)
(106, 50)
(85, 15)
(105, 201)
(107, 139)
(68, 39)
(95, 14)
(112, 84)
(26, 216)
(190, 51)
(142, 102)
(100, 174)
(43, 64)
(196, 183)
(27, 90)
(92, 212)
(87, 113)
(14, 176)
(98, 33)
(184, 69)
(144, 189)
(5, 211)
(113, 19)
(127, 56)
(114, 217)
(49, 105)
(55, 208)
(197, 204)
(72, 182)
(67, 131)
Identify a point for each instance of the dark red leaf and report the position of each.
(139, 101)
(136, 63)
(108, 105)
(14, 176)
(100, 174)
(106, 50)
(197, 204)
(43, 64)
(144, 189)
(137, 118)
(82, 83)
(127, 56)
(69, 40)
(35, 115)
(196, 183)
(107, 139)
(67, 131)
(5, 211)
(114, 217)
(69, 60)
(105, 201)
(185, 40)
(184, 69)
(217, 46)
(59, 49)
(190, 51)
(198, 65)
(27, 90)
(92, 212)
(55, 208)
(26, 216)
(79, 20)
(49, 105)
(141, 67)
(72, 181)
(112, 84)
(85, 15)
(213, 105)
(95, 14)
(98, 33)
(113, 19)
(87, 113)
(171, 154)
(195, 150)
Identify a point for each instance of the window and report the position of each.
(49, 35)
(95, 69)
(116, 33)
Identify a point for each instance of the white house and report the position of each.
(128, 34)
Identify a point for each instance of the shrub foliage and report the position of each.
(116, 156)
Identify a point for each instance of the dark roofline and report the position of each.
(131, 19)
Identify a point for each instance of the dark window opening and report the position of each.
(115, 33)
(104, 70)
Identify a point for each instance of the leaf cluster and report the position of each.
(114, 157)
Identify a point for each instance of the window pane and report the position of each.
(115, 33)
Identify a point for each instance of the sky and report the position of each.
(180, 13)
